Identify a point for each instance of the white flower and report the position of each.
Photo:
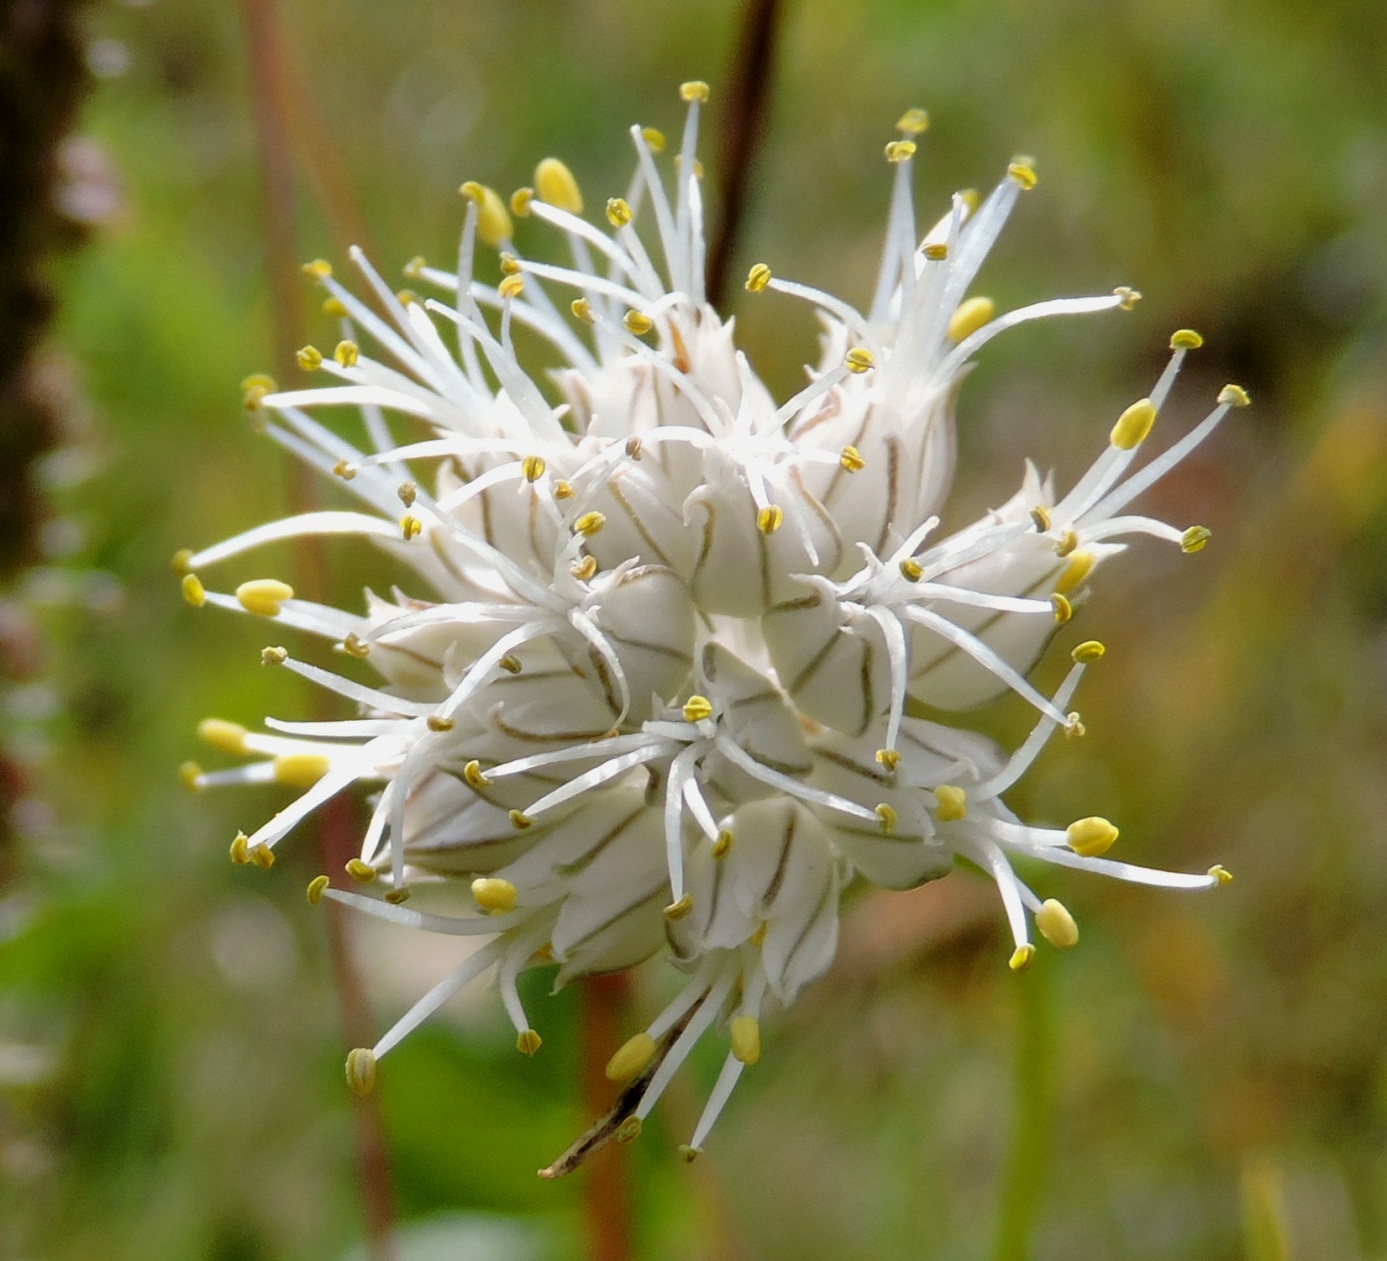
(649, 677)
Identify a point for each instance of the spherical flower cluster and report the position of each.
(653, 678)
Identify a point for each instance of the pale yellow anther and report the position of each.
(437, 723)
(631, 1058)
(694, 90)
(1074, 728)
(1021, 957)
(971, 315)
(520, 202)
(722, 844)
(335, 308)
(1056, 924)
(309, 358)
(1089, 650)
(1220, 874)
(519, 820)
(758, 938)
(697, 708)
(361, 1071)
(1091, 837)
(850, 460)
(1068, 541)
(407, 492)
(888, 759)
(770, 519)
(252, 396)
(618, 212)
(911, 569)
(637, 323)
(354, 646)
(654, 139)
(527, 1042)
(261, 855)
(1040, 514)
(582, 309)
(900, 150)
(1185, 339)
(300, 770)
(584, 569)
(1134, 425)
(936, 251)
(315, 889)
(410, 527)
(318, 269)
(1195, 539)
(225, 737)
(344, 469)
(746, 1038)
(511, 287)
(240, 852)
(758, 278)
(397, 897)
(1234, 396)
(182, 558)
(472, 773)
(562, 490)
(634, 447)
(1022, 170)
(414, 269)
(858, 360)
(362, 873)
(887, 818)
(511, 665)
(190, 773)
(589, 524)
(953, 803)
(193, 590)
(913, 122)
(493, 894)
(346, 354)
(971, 199)
(1063, 610)
(555, 184)
(678, 909)
(263, 596)
(493, 220)
(1079, 567)
(629, 1130)
(1128, 297)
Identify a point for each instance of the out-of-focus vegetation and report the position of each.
(170, 1082)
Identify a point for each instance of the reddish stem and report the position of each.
(607, 1206)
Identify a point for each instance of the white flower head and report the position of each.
(652, 678)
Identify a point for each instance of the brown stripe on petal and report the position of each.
(577, 865)
(778, 877)
(893, 474)
(877, 774)
(657, 552)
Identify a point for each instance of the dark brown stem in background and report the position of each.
(606, 1188)
(743, 133)
(335, 831)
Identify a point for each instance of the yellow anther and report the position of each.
(697, 708)
(689, 1153)
(309, 358)
(911, 569)
(397, 896)
(519, 821)
(1022, 170)
(1185, 339)
(1133, 425)
(545, 954)
(722, 844)
(193, 590)
(354, 646)
(936, 251)
(582, 309)
(913, 122)
(190, 773)
(344, 469)
(1056, 924)
(680, 908)
(629, 1130)
(770, 519)
(263, 596)
(1063, 609)
(493, 894)
(850, 460)
(758, 278)
(346, 354)
(533, 467)
(618, 212)
(555, 184)
(1068, 541)
(493, 220)
(888, 758)
(472, 773)
(520, 202)
(1234, 396)
(1021, 957)
(758, 938)
(1040, 514)
(362, 873)
(631, 1058)
(301, 770)
(335, 308)
(637, 322)
(436, 722)
(315, 889)
(225, 737)
(527, 1042)
(240, 853)
(1221, 874)
(694, 90)
(410, 527)
(261, 855)
(1129, 297)
(511, 665)
(953, 803)
(900, 150)
(1080, 563)
(406, 297)
(512, 286)
(1195, 539)
(414, 269)
(971, 199)
(1074, 728)
(887, 818)
(859, 359)
(562, 490)
(971, 315)
(1091, 837)
(746, 1038)
(361, 1071)
(181, 560)
(654, 139)
(407, 492)
(589, 524)
(584, 569)
(253, 390)
(1089, 650)
(318, 269)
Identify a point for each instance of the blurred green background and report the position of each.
(1216, 1067)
